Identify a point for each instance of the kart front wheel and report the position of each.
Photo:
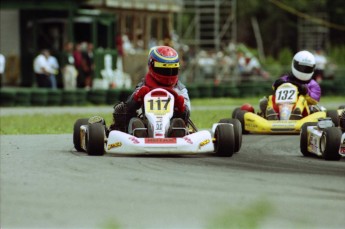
(224, 144)
(237, 132)
(76, 133)
(95, 139)
(330, 144)
(304, 138)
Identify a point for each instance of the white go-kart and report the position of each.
(154, 137)
(322, 139)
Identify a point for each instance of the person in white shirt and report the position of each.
(54, 64)
(2, 67)
(43, 69)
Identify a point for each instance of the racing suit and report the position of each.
(311, 91)
(124, 111)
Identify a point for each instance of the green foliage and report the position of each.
(285, 56)
(337, 55)
(272, 66)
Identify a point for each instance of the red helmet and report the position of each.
(247, 107)
(164, 65)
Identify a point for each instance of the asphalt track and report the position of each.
(45, 183)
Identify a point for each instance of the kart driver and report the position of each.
(302, 66)
(163, 68)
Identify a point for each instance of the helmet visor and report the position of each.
(303, 68)
(166, 69)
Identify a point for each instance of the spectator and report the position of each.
(68, 70)
(89, 64)
(2, 67)
(320, 65)
(54, 65)
(249, 65)
(80, 64)
(42, 69)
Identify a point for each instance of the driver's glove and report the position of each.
(302, 89)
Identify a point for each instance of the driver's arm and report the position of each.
(314, 93)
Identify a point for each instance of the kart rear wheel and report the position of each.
(224, 144)
(304, 139)
(76, 133)
(235, 112)
(341, 107)
(240, 116)
(95, 139)
(237, 132)
(330, 144)
(333, 114)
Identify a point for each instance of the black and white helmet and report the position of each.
(303, 65)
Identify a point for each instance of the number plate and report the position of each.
(286, 93)
(157, 106)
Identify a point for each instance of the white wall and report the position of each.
(9, 32)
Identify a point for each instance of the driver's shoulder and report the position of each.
(180, 86)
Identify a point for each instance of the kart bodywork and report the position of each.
(322, 139)
(224, 138)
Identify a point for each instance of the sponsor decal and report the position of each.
(342, 150)
(114, 145)
(283, 123)
(160, 140)
(134, 140)
(251, 125)
(188, 140)
(205, 142)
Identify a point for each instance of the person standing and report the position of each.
(89, 65)
(54, 65)
(80, 64)
(68, 70)
(2, 67)
(42, 69)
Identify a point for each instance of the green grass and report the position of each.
(245, 217)
(63, 123)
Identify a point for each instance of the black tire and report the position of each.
(95, 139)
(240, 116)
(137, 123)
(224, 145)
(76, 133)
(333, 114)
(330, 144)
(304, 139)
(234, 112)
(237, 131)
(341, 107)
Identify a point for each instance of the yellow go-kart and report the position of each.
(286, 97)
